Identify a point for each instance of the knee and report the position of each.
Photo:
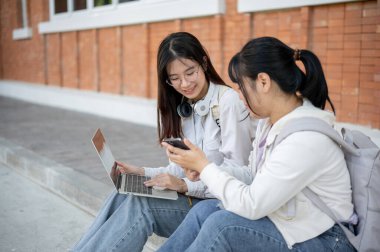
(209, 205)
(202, 210)
(220, 220)
(134, 203)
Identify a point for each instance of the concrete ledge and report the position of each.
(73, 186)
(126, 108)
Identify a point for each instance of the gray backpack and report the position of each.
(363, 161)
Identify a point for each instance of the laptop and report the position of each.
(126, 183)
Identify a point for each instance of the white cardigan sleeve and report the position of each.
(172, 169)
(237, 133)
(237, 128)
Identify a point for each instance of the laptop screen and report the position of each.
(106, 156)
(126, 183)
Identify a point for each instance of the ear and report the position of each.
(264, 82)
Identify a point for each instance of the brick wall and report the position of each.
(22, 59)
(122, 60)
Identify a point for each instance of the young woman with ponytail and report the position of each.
(271, 213)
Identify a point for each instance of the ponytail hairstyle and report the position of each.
(270, 55)
(179, 45)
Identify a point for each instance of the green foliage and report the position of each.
(102, 2)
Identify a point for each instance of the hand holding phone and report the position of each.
(176, 142)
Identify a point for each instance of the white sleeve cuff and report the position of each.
(209, 173)
(195, 189)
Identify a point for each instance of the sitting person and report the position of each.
(271, 213)
(188, 89)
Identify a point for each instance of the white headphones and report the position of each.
(201, 107)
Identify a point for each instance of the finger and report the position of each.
(122, 169)
(121, 166)
(167, 152)
(120, 163)
(174, 158)
(164, 144)
(189, 144)
(169, 148)
(150, 183)
(156, 180)
(172, 149)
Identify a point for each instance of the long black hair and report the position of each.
(270, 55)
(176, 46)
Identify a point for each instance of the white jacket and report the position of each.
(230, 143)
(302, 159)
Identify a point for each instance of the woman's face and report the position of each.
(255, 99)
(188, 78)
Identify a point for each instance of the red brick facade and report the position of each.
(122, 59)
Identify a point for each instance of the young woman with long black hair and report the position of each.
(193, 102)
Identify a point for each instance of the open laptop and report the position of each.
(126, 183)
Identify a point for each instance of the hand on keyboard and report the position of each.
(168, 181)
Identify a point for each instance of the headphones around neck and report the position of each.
(201, 107)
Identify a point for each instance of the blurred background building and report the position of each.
(81, 53)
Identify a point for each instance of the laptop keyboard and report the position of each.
(135, 184)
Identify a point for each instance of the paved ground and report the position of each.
(65, 136)
(34, 219)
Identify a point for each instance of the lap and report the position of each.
(227, 222)
(168, 214)
(165, 214)
(116, 201)
(226, 231)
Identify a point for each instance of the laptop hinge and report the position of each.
(118, 182)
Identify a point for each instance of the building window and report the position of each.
(23, 30)
(74, 15)
(268, 5)
(80, 5)
(60, 6)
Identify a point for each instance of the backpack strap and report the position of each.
(317, 125)
(215, 109)
(313, 197)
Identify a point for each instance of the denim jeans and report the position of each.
(209, 228)
(125, 222)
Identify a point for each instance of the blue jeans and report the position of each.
(209, 228)
(125, 222)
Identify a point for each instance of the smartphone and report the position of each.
(176, 142)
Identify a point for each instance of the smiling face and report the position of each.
(187, 78)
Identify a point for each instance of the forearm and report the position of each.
(172, 169)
